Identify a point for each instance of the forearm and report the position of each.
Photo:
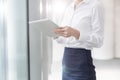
(68, 32)
(76, 33)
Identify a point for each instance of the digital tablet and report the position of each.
(45, 26)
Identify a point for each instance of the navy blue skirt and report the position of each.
(77, 64)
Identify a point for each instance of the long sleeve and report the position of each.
(88, 19)
(61, 40)
(95, 38)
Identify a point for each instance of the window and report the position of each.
(13, 40)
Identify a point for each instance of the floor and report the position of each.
(105, 69)
(108, 70)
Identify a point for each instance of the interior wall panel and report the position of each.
(117, 28)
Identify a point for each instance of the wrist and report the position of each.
(76, 34)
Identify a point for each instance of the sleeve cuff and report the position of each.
(60, 40)
(83, 36)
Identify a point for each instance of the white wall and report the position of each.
(117, 28)
(34, 10)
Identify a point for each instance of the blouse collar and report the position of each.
(84, 1)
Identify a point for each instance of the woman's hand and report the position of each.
(67, 32)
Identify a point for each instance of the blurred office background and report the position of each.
(14, 38)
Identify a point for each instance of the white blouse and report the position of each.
(88, 18)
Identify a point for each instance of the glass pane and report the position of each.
(13, 40)
(2, 43)
(16, 20)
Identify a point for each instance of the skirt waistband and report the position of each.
(76, 49)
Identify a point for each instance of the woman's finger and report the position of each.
(59, 30)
